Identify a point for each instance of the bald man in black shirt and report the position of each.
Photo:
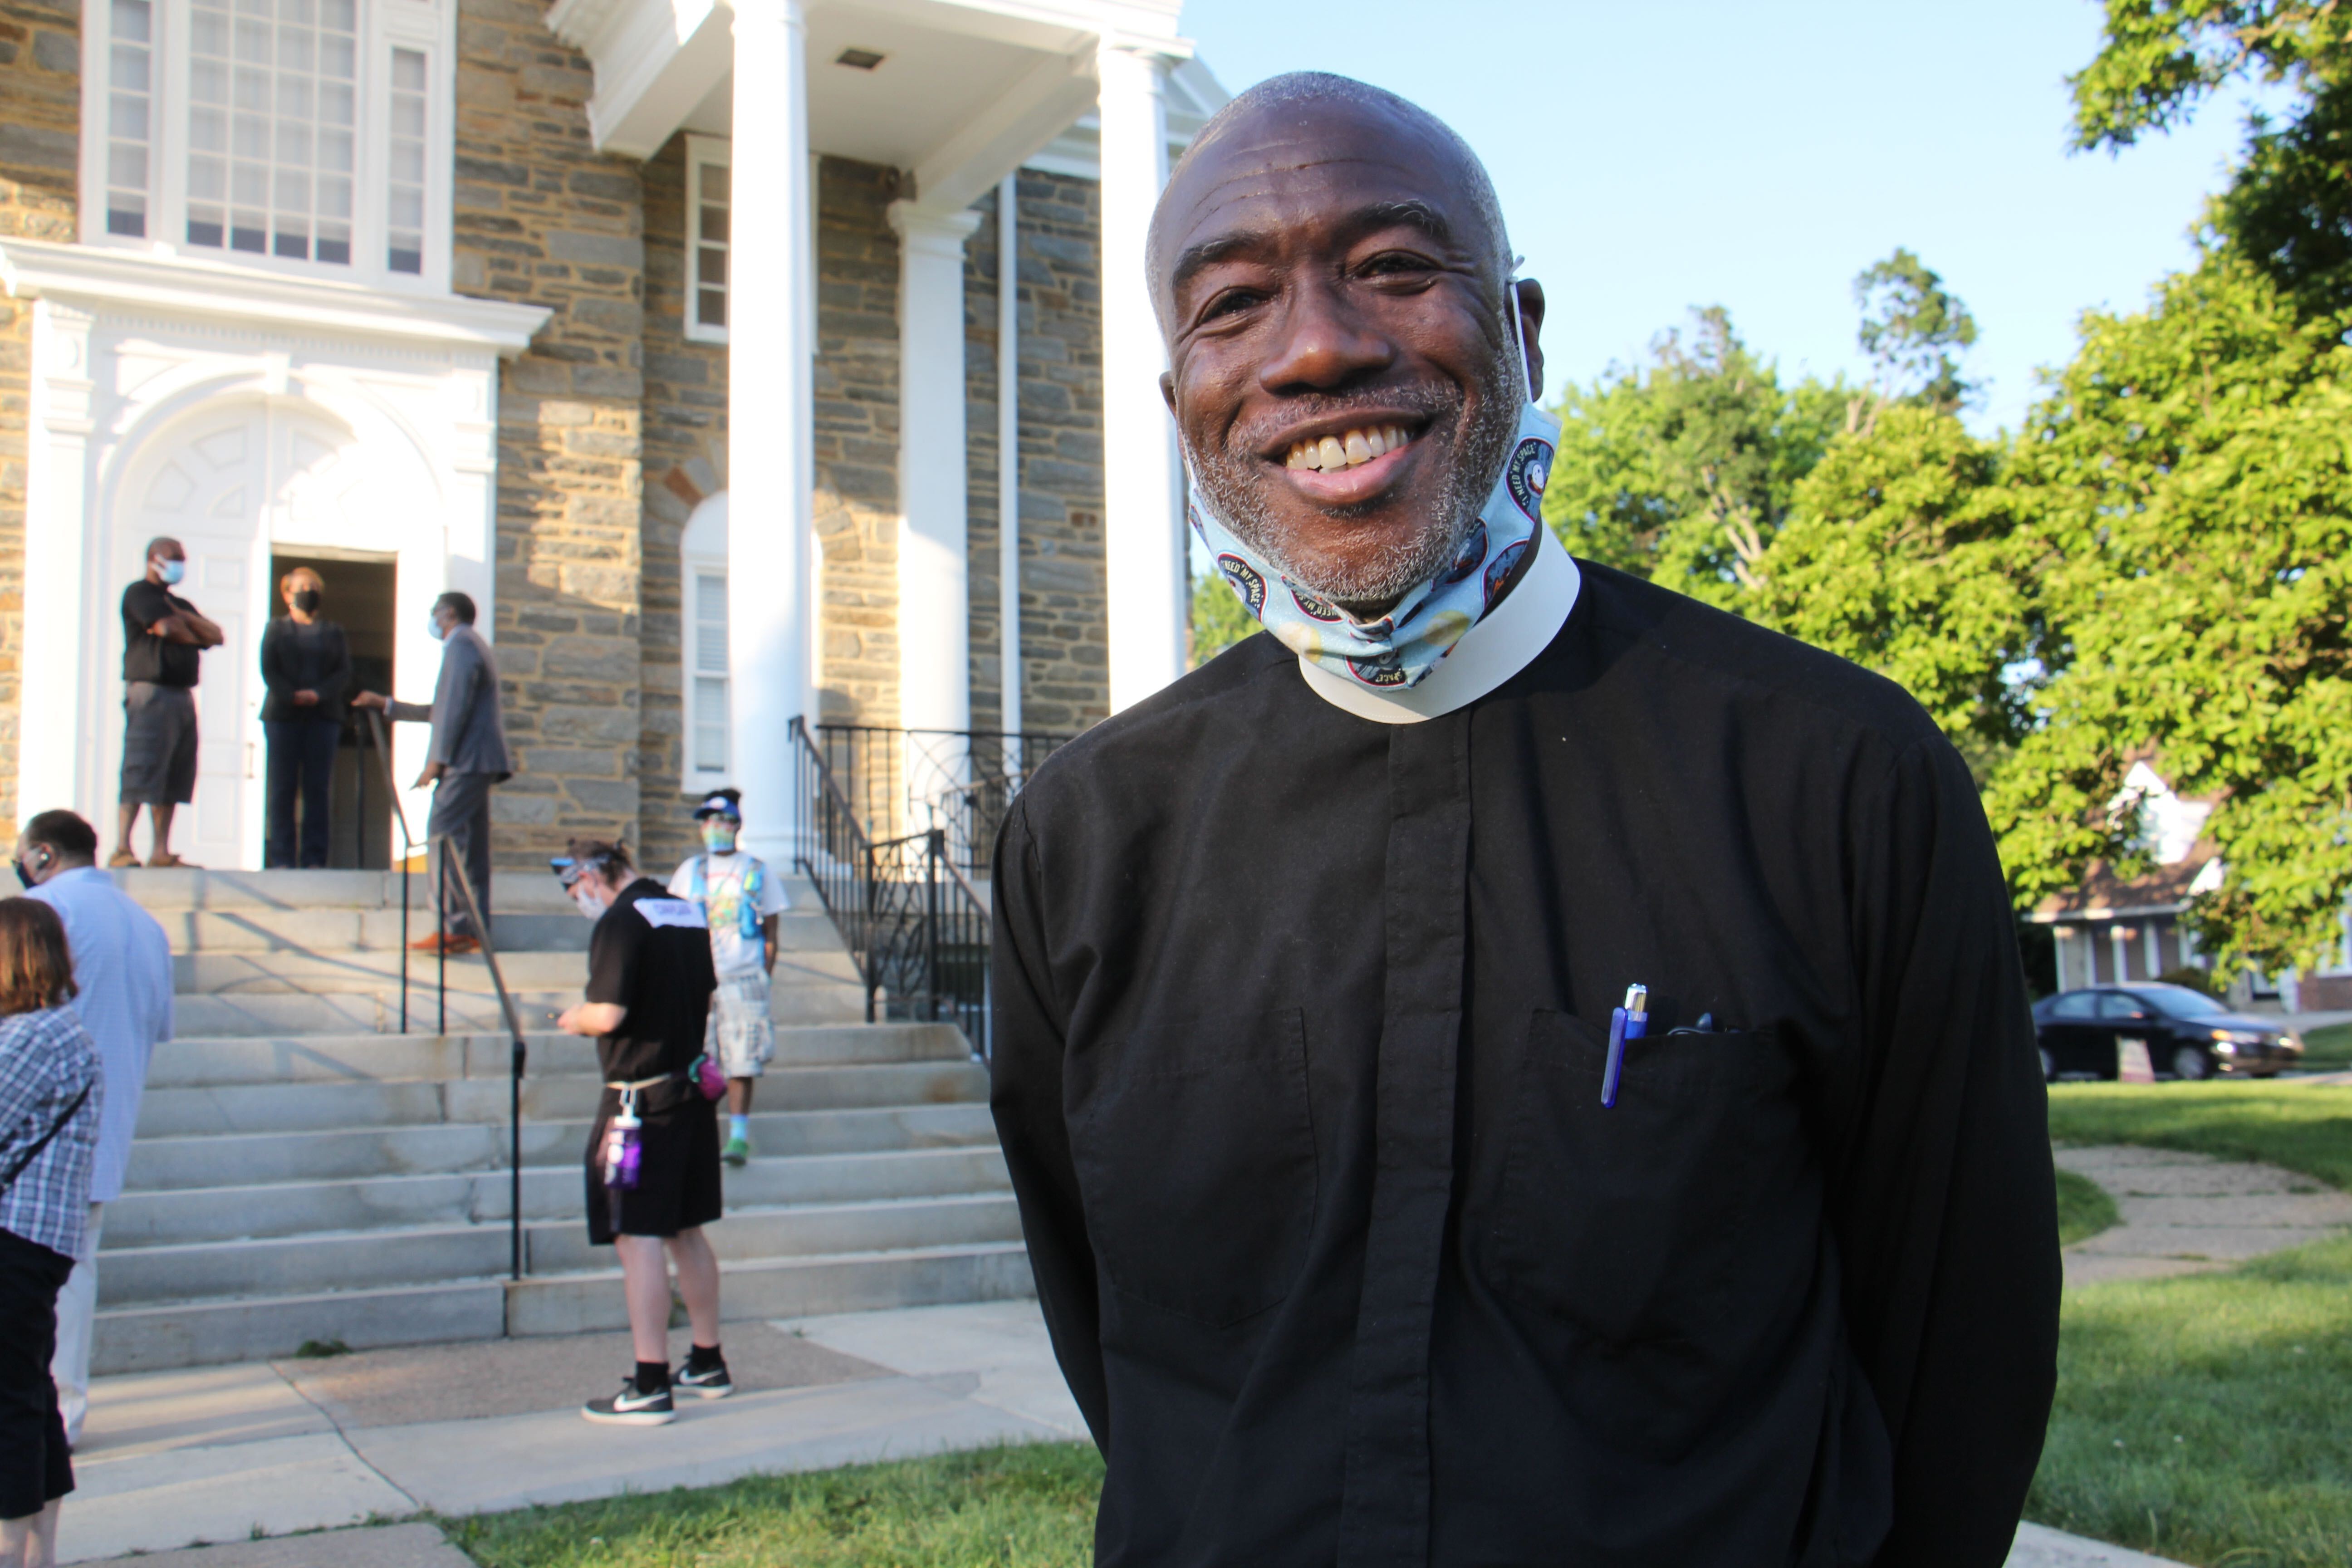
(1514, 1067)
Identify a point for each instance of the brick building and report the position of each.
(475, 294)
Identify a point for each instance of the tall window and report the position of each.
(702, 653)
(707, 199)
(710, 672)
(130, 115)
(295, 133)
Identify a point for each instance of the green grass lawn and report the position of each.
(1024, 1506)
(2329, 1048)
(2083, 1208)
(2304, 1126)
(2203, 1418)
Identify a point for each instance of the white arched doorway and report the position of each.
(236, 479)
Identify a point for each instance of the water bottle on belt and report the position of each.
(624, 1144)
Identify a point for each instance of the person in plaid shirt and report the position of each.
(50, 1101)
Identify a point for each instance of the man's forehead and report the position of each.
(1306, 167)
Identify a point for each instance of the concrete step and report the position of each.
(791, 1287)
(169, 1164)
(320, 1106)
(375, 1259)
(338, 927)
(187, 1063)
(551, 1191)
(287, 1012)
(210, 1333)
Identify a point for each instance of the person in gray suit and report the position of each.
(468, 755)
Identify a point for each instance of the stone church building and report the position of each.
(690, 339)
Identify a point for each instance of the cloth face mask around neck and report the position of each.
(1402, 646)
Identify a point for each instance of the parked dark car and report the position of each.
(2188, 1034)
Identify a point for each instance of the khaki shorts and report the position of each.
(740, 1033)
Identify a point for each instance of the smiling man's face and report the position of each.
(1343, 377)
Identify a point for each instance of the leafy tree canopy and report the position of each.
(1910, 325)
(1219, 620)
(2185, 501)
(2289, 203)
(1682, 469)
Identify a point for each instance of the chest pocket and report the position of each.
(1655, 1220)
(1195, 1155)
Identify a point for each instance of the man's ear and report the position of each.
(1168, 389)
(1531, 315)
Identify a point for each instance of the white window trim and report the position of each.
(703, 547)
(703, 152)
(428, 25)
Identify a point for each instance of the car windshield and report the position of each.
(2182, 1003)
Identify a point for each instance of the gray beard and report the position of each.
(1473, 461)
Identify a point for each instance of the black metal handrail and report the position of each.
(448, 867)
(915, 926)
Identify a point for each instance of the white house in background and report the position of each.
(2112, 928)
(438, 294)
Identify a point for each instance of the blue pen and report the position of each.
(1630, 1022)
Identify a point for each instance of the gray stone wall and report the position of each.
(541, 217)
(1065, 682)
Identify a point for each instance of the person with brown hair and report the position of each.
(306, 664)
(51, 1097)
(653, 1153)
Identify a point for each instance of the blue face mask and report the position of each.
(173, 570)
(433, 628)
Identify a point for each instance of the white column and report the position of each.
(771, 470)
(57, 757)
(934, 573)
(1008, 468)
(1143, 534)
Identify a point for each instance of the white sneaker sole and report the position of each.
(700, 1392)
(629, 1417)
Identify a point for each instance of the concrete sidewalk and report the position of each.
(249, 1456)
(229, 1454)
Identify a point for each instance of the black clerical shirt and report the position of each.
(1301, 1022)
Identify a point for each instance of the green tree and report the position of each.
(1218, 619)
(1910, 325)
(1898, 553)
(2289, 202)
(2184, 501)
(1683, 469)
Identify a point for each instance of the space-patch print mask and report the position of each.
(1402, 646)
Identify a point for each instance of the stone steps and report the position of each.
(551, 1189)
(303, 1171)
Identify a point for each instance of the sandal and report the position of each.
(166, 860)
(119, 858)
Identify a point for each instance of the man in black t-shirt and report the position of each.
(652, 1187)
(163, 637)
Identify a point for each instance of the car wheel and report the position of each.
(2189, 1065)
(2049, 1066)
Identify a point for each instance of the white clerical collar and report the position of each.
(1499, 646)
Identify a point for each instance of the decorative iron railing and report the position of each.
(905, 782)
(894, 825)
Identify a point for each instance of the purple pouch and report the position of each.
(708, 1076)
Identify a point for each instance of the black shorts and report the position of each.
(677, 1174)
(34, 1466)
(159, 745)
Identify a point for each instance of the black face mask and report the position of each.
(306, 600)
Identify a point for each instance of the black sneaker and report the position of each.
(710, 1382)
(630, 1409)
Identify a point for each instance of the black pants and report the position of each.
(461, 809)
(301, 762)
(34, 1463)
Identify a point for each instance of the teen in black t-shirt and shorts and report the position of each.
(649, 986)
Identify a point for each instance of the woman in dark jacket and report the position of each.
(50, 1097)
(307, 666)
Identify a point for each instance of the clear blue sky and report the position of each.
(1680, 152)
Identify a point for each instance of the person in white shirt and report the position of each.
(741, 898)
(122, 976)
